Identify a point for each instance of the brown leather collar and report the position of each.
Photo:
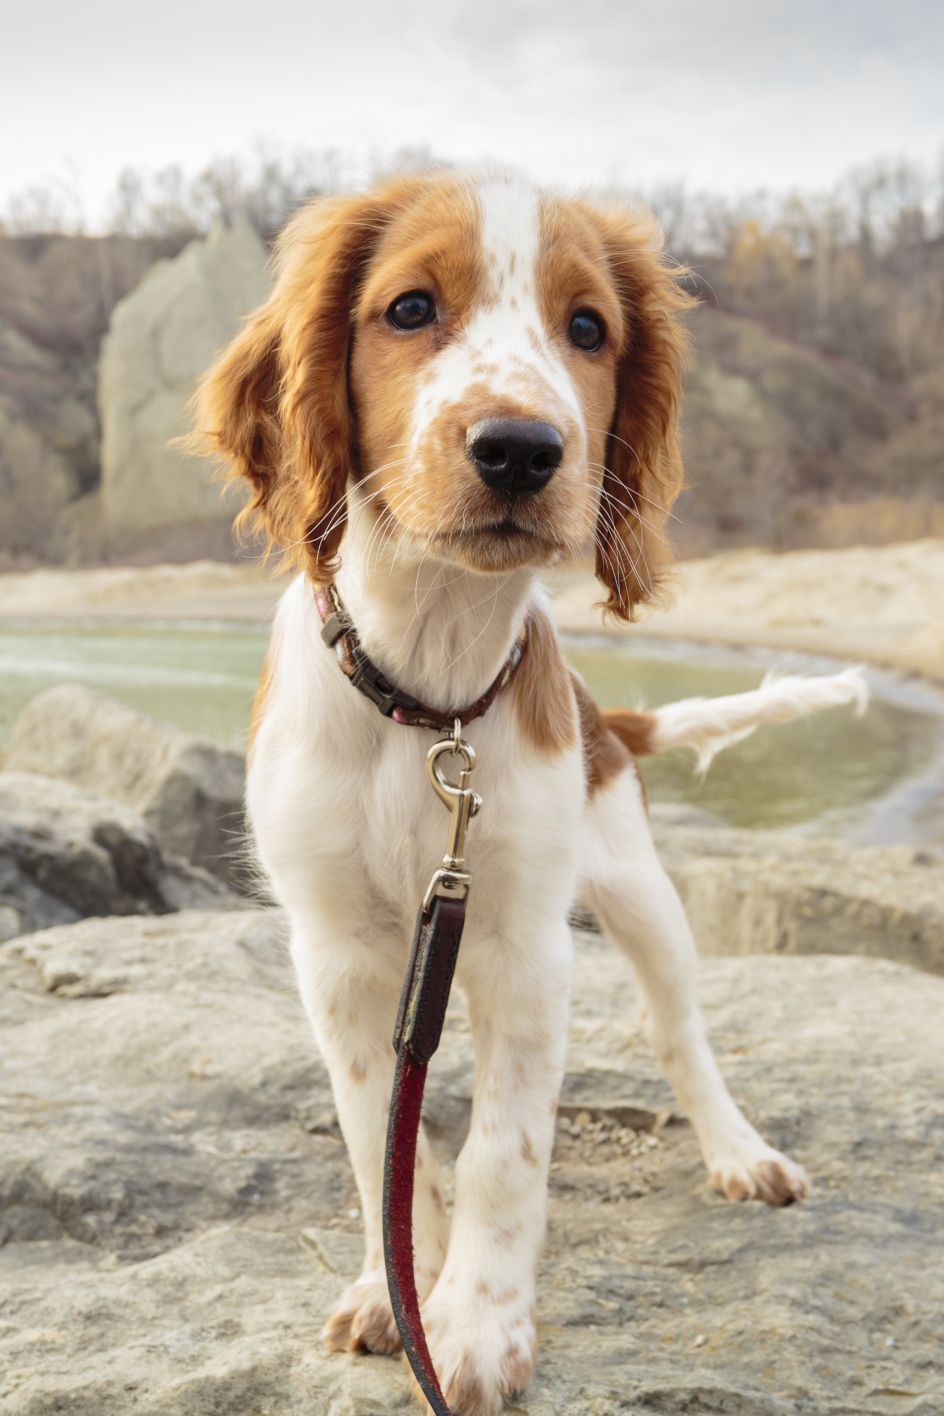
(338, 632)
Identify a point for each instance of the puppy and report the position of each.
(456, 382)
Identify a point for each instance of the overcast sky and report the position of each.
(725, 94)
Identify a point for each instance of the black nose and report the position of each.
(515, 456)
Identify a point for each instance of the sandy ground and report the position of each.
(884, 605)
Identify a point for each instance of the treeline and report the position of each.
(857, 271)
(854, 272)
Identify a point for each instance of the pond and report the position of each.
(875, 779)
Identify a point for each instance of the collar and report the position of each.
(338, 632)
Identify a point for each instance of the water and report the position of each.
(875, 779)
(878, 778)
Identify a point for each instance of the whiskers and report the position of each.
(335, 515)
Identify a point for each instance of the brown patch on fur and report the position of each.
(508, 1296)
(769, 1180)
(643, 457)
(634, 730)
(482, 1289)
(611, 261)
(527, 1149)
(357, 1071)
(362, 1322)
(541, 692)
(517, 1369)
(466, 1392)
(612, 740)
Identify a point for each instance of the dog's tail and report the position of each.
(711, 724)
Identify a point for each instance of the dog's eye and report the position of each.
(586, 331)
(412, 310)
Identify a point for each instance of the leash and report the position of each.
(433, 955)
(416, 1036)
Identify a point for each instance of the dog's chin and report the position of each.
(499, 546)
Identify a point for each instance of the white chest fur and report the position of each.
(342, 811)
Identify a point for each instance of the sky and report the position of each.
(727, 95)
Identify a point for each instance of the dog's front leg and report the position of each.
(480, 1318)
(350, 991)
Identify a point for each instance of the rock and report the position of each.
(176, 1196)
(188, 791)
(161, 338)
(48, 443)
(752, 892)
(66, 853)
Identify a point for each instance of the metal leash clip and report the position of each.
(451, 881)
(442, 914)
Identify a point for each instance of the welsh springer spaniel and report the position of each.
(457, 381)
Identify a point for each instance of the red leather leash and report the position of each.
(416, 1037)
(419, 1027)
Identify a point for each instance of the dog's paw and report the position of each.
(483, 1350)
(758, 1172)
(362, 1320)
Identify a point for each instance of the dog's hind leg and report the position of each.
(350, 992)
(639, 909)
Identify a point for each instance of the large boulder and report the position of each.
(66, 853)
(179, 1212)
(48, 445)
(188, 791)
(161, 338)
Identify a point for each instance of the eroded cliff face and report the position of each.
(56, 295)
(161, 338)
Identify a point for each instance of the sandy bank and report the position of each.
(197, 590)
(881, 604)
(884, 605)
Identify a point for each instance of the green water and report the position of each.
(878, 778)
(875, 778)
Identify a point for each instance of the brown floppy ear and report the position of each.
(644, 466)
(237, 412)
(276, 405)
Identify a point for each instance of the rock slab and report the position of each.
(66, 853)
(179, 1213)
(188, 791)
(760, 892)
(161, 338)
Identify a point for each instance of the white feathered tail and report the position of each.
(708, 725)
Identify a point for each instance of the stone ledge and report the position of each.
(177, 1227)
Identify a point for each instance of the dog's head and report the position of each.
(494, 372)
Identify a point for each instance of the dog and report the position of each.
(457, 381)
